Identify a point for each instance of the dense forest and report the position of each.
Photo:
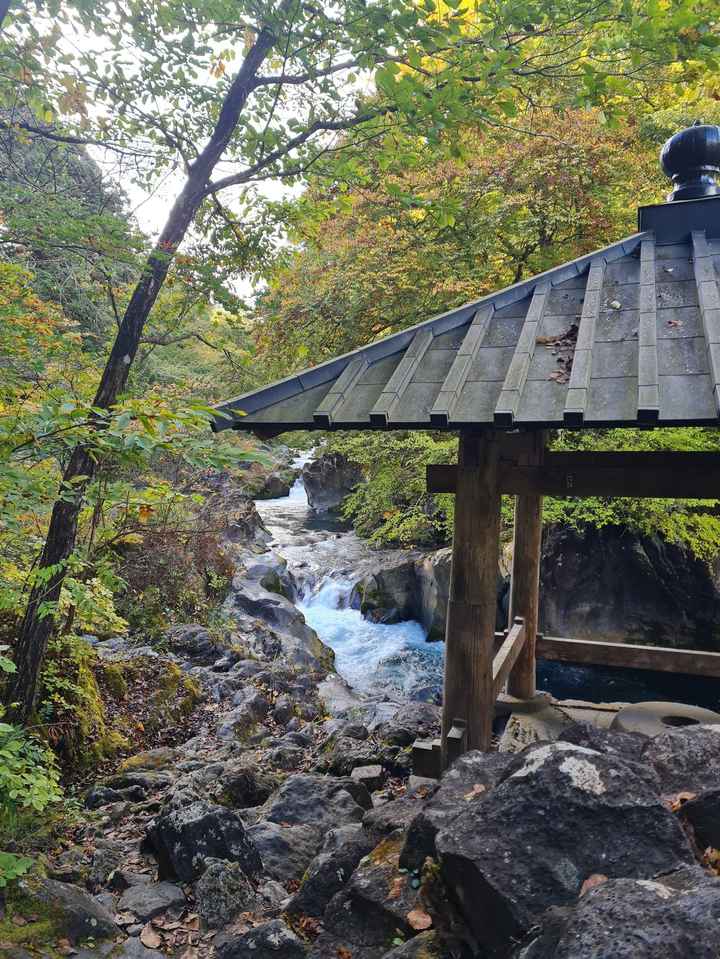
(197, 198)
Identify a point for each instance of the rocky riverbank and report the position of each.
(289, 824)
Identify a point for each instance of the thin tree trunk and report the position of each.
(36, 629)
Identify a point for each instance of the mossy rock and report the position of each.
(60, 911)
(159, 758)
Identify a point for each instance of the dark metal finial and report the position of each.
(691, 159)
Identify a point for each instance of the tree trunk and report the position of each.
(37, 629)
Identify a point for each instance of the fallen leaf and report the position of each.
(615, 305)
(597, 879)
(477, 790)
(65, 947)
(397, 887)
(344, 953)
(679, 799)
(19, 921)
(149, 937)
(419, 919)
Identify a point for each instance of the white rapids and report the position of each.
(373, 658)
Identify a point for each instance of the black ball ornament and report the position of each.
(691, 158)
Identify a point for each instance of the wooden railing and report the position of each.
(506, 657)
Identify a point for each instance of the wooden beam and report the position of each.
(470, 635)
(525, 575)
(442, 410)
(648, 382)
(709, 301)
(577, 394)
(393, 390)
(627, 655)
(664, 475)
(506, 657)
(516, 376)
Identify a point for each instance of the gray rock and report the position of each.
(703, 815)
(427, 945)
(284, 710)
(222, 892)
(286, 851)
(370, 776)
(286, 756)
(106, 859)
(245, 785)
(391, 816)
(614, 585)
(273, 940)
(664, 918)
(561, 814)
(330, 870)
(319, 801)
(432, 575)
(373, 907)
(100, 796)
(183, 838)
(472, 776)
(192, 642)
(347, 754)
(328, 480)
(75, 914)
(150, 899)
(410, 721)
(686, 759)
(133, 949)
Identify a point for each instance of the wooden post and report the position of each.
(470, 632)
(525, 576)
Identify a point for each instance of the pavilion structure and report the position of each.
(627, 336)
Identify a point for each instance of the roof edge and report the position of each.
(230, 413)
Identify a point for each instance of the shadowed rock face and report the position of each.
(614, 585)
(328, 480)
(560, 814)
(663, 918)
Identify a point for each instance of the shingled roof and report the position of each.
(624, 336)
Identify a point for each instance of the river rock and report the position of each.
(272, 940)
(271, 571)
(286, 633)
(409, 722)
(389, 593)
(285, 850)
(319, 801)
(471, 777)
(427, 945)
(244, 785)
(192, 642)
(222, 892)
(560, 814)
(275, 485)
(664, 918)
(373, 907)
(150, 899)
(703, 815)
(328, 480)
(432, 576)
(615, 585)
(686, 759)
(330, 870)
(183, 838)
(75, 914)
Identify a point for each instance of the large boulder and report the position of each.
(686, 759)
(222, 892)
(375, 907)
(184, 837)
(432, 576)
(330, 870)
(471, 777)
(615, 585)
(319, 801)
(286, 850)
(290, 636)
(73, 913)
(150, 899)
(328, 480)
(561, 814)
(669, 917)
(388, 594)
(192, 642)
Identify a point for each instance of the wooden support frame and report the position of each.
(691, 662)
(506, 657)
(470, 637)
(651, 475)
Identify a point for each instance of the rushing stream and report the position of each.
(388, 660)
(326, 561)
